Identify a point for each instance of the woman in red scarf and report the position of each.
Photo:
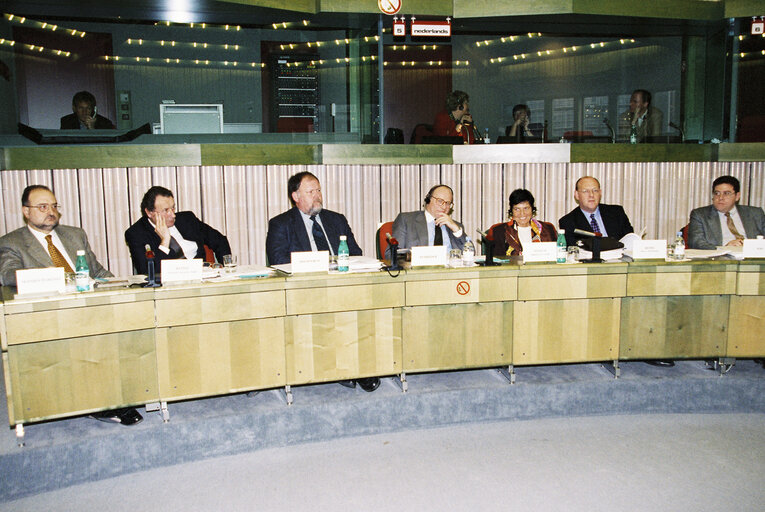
(522, 228)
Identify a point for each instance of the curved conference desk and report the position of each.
(74, 354)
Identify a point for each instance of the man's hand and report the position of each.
(735, 242)
(162, 230)
(444, 218)
(89, 122)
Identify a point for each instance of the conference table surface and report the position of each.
(75, 354)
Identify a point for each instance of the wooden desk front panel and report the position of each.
(344, 345)
(78, 375)
(582, 286)
(681, 283)
(218, 358)
(751, 278)
(674, 327)
(453, 336)
(566, 331)
(220, 308)
(336, 297)
(746, 332)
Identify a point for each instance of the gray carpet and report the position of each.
(67, 452)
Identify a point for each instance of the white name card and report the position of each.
(40, 281)
(649, 250)
(182, 270)
(310, 261)
(429, 255)
(754, 247)
(540, 251)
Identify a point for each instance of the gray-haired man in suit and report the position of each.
(43, 242)
(724, 222)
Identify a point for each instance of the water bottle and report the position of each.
(486, 139)
(561, 250)
(342, 254)
(679, 253)
(468, 253)
(82, 273)
(633, 134)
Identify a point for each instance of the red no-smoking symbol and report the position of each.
(463, 287)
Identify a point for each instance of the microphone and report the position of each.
(611, 129)
(391, 240)
(682, 133)
(582, 232)
(393, 252)
(149, 252)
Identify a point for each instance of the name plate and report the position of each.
(540, 251)
(182, 270)
(310, 261)
(40, 281)
(649, 250)
(429, 255)
(754, 247)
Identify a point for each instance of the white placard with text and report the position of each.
(310, 261)
(40, 281)
(540, 251)
(649, 250)
(754, 248)
(429, 255)
(182, 270)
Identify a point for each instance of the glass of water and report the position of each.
(229, 262)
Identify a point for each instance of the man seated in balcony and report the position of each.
(84, 116)
(432, 225)
(647, 119)
(724, 222)
(170, 235)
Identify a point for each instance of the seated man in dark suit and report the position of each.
(170, 235)
(431, 226)
(84, 116)
(724, 222)
(307, 226)
(43, 242)
(591, 215)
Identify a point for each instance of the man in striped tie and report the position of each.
(592, 215)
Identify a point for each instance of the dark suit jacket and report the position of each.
(705, 230)
(616, 222)
(287, 234)
(71, 122)
(19, 249)
(411, 230)
(192, 229)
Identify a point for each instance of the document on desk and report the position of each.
(243, 272)
(704, 254)
(355, 264)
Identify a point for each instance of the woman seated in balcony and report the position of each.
(522, 228)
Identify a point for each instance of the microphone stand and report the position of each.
(611, 129)
(682, 133)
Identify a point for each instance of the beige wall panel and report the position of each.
(746, 334)
(219, 308)
(565, 331)
(571, 287)
(681, 283)
(750, 283)
(214, 359)
(457, 336)
(117, 219)
(344, 298)
(71, 376)
(82, 321)
(338, 346)
(673, 327)
(8, 394)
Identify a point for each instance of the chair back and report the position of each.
(685, 234)
(381, 240)
(421, 130)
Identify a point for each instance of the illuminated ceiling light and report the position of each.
(403, 47)
(275, 26)
(602, 44)
(162, 43)
(238, 28)
(548, 52)
(305, 23)
(130, 41)
(743, 55)
(284, 24)
(204, 25)
(515, 57)
(347, 41)
(225, 46)
(140, 41)
(106, 58)
(207, 62)
(592, 45)
(10, 17)
(204, 45)
(565, 50)
(191, 25)
(539, 54)
(502, 39)
(236, 47)
(194, 44)
(22, 20)
(54, 28)
(226, 27)
(741, 38)
(621, 41)
(196, 61)
(531, 35)
(44, 25)
(632, 40)
(172, 43)
(573, 48)
(74, 32)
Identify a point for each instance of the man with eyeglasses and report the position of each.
(43, 242)
(431, 226)
(170, 235)
(592, 215)
(723, 222)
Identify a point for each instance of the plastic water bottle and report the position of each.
(486, 139)
(82, 273)
(633, 134)
(561, 251)
(468, 253)
(342, 254)
(679, 252)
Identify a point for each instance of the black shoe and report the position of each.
(128, 416)
(369, 384)
(347, 383)
(661, 362)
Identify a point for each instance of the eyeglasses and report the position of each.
(171, 209)
(722, 193)
(440, 202)
(589, 191)
(45, 207)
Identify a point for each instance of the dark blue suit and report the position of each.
(287, 234)
(615, 221)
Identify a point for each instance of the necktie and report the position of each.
(175, 246)
(318, 236)
(732, 227)
(438, 237)
(56, 256)
(594, 224)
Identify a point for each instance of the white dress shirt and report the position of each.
(727, 236)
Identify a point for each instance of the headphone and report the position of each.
(429, 195)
